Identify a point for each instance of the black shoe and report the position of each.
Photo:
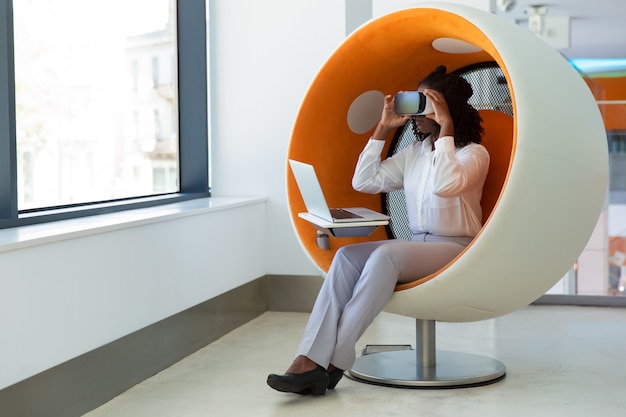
(334, 377)
(315, 381)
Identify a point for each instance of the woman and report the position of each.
(442, 174)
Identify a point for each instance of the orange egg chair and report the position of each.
(546, 186)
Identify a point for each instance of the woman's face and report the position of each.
(425, 124)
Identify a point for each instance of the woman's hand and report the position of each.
(389, 120)
(442, 114)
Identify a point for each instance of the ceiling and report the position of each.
(597, 27)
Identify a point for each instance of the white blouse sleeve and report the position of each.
(455, 172)
(375, 176)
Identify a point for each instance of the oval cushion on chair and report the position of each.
(554, 168)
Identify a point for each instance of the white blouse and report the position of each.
(442, 187)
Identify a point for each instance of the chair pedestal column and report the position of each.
(426, 367)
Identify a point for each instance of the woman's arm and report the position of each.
(456, 172)
(389, 120)
(371, 174)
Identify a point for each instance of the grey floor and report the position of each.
(561, 361)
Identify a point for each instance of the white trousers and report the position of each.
(359, 283)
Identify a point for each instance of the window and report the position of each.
(92, 106)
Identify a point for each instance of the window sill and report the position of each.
(39, 234)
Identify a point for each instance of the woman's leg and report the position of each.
(393, 262)
(359, 284)
(320, 335)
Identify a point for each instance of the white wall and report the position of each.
(264, 56)
(61, 299)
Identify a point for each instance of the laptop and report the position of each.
(313, 197)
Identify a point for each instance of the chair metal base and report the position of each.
(453, 369)
(425, 366)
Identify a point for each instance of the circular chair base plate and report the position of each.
(453, 369)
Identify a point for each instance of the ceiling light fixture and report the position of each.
(506, 5)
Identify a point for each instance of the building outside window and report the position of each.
(96, 100)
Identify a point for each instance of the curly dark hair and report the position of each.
(457, 91)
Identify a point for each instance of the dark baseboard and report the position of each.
(90, 380)
(292, 293)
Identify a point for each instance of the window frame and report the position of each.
(193, 125)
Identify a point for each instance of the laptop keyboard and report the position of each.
(338, 213)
